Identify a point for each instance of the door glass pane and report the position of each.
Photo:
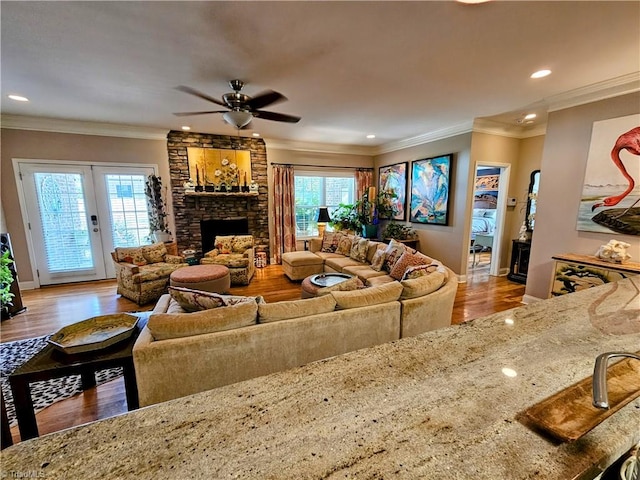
(128, 209)
(64, 221)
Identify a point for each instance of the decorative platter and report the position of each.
(329, 279)
(94, 333)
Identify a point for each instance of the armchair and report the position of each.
(236, 252)
(142, 273)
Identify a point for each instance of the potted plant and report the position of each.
(370, 210)
(398, 231)
(345, 218)
(156, 209)
(6, 279)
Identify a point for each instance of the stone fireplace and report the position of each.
(190, 210)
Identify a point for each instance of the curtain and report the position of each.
(364, 180)
(284, 211)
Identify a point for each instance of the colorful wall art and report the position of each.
(430, 183)
(394, 177)
(611, 192)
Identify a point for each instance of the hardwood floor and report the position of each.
(50, 308)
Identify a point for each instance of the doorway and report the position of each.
(487, 218)
(76, 214)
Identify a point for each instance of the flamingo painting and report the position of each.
(629, 141)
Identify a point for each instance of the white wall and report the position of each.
(562, 173)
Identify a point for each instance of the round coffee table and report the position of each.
(313, 283)
(208, 278)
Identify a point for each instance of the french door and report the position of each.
(77, 214)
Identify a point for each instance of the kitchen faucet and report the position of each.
(600, 396)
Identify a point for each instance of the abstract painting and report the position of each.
(430, 181)
(610, 196)
(394, 177)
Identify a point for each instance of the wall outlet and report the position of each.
(511, 202)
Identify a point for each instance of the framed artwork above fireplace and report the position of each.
(213, 167)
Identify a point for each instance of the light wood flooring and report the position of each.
(50, 308)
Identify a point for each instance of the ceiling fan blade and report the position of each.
(193, 91)
(278, 117)
(265, 98)
(186, 114)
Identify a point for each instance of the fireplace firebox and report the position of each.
(210, 229)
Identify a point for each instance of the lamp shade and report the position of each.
(323, 215)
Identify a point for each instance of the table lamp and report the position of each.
(323, 218)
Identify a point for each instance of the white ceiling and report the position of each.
(399, 70)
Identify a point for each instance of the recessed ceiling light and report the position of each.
(18, 98)
(541, 73)
(473, 1)
(255, 134)
(186, 127)
(371, 135)
(530, 116)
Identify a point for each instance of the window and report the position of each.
(315, 189)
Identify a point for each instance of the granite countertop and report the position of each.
(433, 406)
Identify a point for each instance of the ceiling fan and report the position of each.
(241, 108)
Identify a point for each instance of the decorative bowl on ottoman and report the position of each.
(94, 333)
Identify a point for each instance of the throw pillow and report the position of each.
(378, 259)
(224, 244)
(424, 270)
(385, 293)
(154, 253)
(131, 255)
(167, 325)
(406, 260)
(393, 252)
(348, 285)
(196, 300)
(344, 245)
(330, 242)
(272, 312)
(359, 249)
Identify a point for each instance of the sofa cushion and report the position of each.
(155, 253)
(155, 271)
(131, 255)
(272, 312)
(176, 325)
(363, 272)
(391, 254)
(231, 260)
(388, 292)
(406, 260)
(344, 245)
(241, 243)
(338, 263)
(330, 241)
(418, 287)
(359, 249)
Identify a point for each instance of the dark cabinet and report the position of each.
(519, 261)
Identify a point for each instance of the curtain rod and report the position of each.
(319, 166)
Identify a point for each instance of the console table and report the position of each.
(573, 272)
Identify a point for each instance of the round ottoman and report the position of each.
(208, 278)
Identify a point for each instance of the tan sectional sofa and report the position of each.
(181, 353)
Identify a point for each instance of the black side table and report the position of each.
(519, 261)
(50, 363)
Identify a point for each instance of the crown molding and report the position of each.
(483, 125)
(44, 124)
(297, 146)
(614, 87)
(440, 134)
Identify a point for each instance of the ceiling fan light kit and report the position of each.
(242, 108)
(237, 119)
